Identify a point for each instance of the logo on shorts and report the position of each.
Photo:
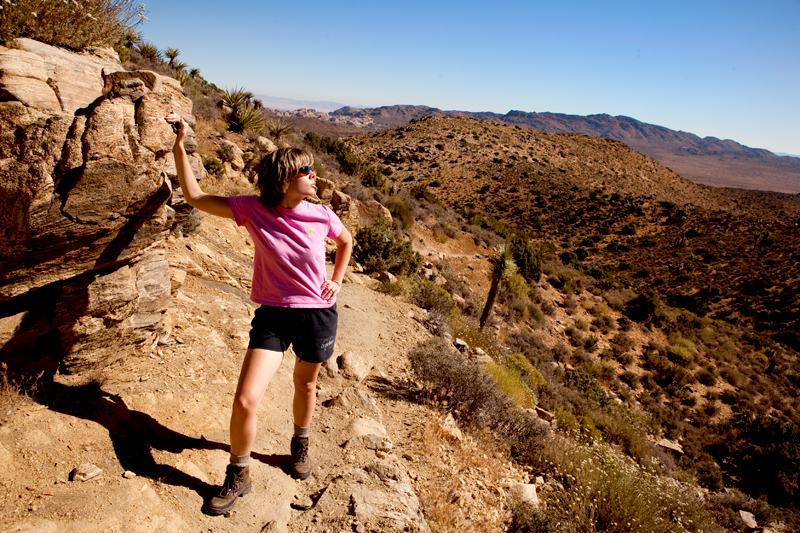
(326, 344)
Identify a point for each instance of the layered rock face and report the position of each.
(83, 202)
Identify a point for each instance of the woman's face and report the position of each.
(303, 184)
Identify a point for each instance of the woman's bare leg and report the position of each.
(305, 392)
(258, 368)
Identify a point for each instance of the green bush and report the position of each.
(401, 211)
(509, 381)
(429, 295)
(378, 248)
(349, 163)
(71, 24)
(214, 166)
(528, 259)
(474, 397)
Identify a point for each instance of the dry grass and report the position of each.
(464, 494)
(590, 488)
(71, 23)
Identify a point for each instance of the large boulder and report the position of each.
(370, 211)
(24, 78)
(84, 200)
(76, 78)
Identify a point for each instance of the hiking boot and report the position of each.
(237, 484)
(301, 462)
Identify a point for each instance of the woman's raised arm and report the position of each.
(209, 203)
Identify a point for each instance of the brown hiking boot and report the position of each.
(237, 483)
(301, 462)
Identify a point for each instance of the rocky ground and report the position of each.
(154, 424)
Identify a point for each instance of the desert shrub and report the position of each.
(475, 398)
(732, 376)
(766, 452)
(447, 231)
(574, 335)
(597, 490)
(400, 210)
(528, 259)
(509, 381)
(630, 378)
(398, 288)
(214, 166)
(590, 343)
(71, 24)
(429, 295)
(535, 313)
(349, 163)
(356, 191)
(586, 385)
(604, 323)
(520, 364)
(378, 248)
(706, 377)
(646, 308)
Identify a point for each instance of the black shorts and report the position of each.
(311, 332)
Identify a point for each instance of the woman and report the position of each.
(297, 302)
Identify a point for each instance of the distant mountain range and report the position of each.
(709, 160)
(287, 104)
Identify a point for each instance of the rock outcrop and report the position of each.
(84, 197)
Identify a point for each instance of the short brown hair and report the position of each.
(276, 171)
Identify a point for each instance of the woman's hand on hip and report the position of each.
(330, 289)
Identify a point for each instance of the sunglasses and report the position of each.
(306, 170)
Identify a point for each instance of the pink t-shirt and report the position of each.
(289, 267)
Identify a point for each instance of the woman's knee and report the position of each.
(304, 385)
(246, 403)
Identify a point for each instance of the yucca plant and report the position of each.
(278, 129)
(172, 54)
(246, 117)
(150, 52)
(195, 73)
(234, 98)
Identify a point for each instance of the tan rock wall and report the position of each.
(84, 199)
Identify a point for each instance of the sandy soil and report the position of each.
(156, 422)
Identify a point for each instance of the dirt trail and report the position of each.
(161, 415)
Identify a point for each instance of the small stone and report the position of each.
(85, 472)
(749, 519)
(302, 503)
(128, 474)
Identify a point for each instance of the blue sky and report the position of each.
(725, 69)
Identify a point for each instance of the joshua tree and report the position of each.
(502, 266)
(172, 54)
